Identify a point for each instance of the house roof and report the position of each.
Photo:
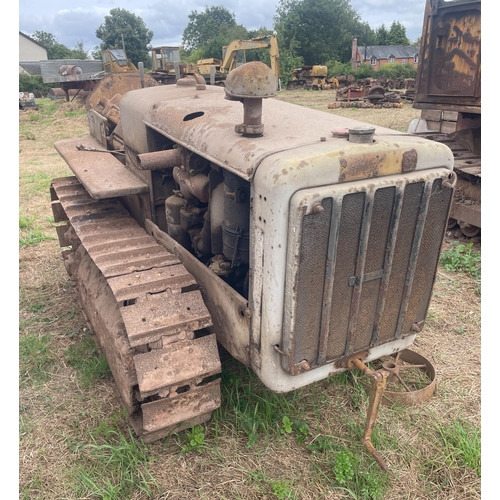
(386, 51)
(32, 67)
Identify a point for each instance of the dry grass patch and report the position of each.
(396, 118)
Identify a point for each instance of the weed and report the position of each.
(282, 489)
(343, 468)
(321, 444)
(85, 358)
(461, 330)
(29, 135)
(287, 425)
(30, 234)
(25, 222)
(302, 432)
(37, 307)
(103, 428)
(350, 472)
(126, 469)
(195, 440)
(462, 258)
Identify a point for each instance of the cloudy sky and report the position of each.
(74, 21)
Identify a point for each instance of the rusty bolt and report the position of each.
(318, 208)
(417, 327)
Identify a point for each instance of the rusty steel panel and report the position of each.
(117, 83)
(98, 127)
(99, 171)
(449, 75)
(166, 369)
(203, 121)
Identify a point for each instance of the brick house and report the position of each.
(378, 55)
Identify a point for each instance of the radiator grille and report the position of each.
(365, 268)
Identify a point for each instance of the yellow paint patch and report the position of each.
(372, 164)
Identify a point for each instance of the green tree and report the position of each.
(317, 30)
(122, 28)
(56, 50)
(381, 35)
(205, 26)
(397, 34)
(46, 39)
(79, 51)
(225, 35)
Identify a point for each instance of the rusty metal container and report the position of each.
(449, 75)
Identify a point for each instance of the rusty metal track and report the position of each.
(145, 309)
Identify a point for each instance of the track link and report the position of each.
(145, 309)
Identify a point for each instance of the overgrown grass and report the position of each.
(35, 183)
(462, 443)
(35, 359)
(249, 409)
(86, 359)
(112, 466)
(30, 232)
(258, 412)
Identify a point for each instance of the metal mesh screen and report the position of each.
(366, 268)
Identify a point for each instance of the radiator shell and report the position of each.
(360, 269)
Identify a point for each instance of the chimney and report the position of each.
(354, 55)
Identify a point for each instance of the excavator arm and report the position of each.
(264, 42)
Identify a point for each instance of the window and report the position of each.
(403, 61)
(373, 61)
(416, 59)
(391, 59)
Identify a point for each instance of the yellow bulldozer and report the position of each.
(311, 77)
(115, 61)
(167, 65)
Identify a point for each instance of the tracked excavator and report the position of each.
(448, 91)
(199, 218)
(234, 55)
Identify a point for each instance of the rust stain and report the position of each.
(409, 160)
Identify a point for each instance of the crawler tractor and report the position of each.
(303, 243)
